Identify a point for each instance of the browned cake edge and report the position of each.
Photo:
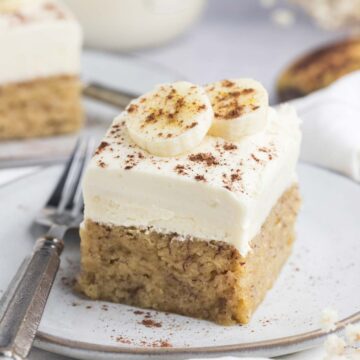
(202, 279)
(319, 68)
(41, 107)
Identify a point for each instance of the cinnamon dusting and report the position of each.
(206, 158)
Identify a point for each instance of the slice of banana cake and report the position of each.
(191, 201)
(40, 89)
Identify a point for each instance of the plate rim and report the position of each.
(267, 345)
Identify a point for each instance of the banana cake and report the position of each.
(40, 91)
(191, 200)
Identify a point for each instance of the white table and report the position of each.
(234, 38)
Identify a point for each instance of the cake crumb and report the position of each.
(334, 345)
(352, 332)
(340, 348)
(328, 320)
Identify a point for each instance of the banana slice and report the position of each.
(170, 120)
(240, 108)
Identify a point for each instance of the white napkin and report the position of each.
(331, 126)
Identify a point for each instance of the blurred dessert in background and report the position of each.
(40, 89)
(319, 69)
(328, 14)
(133, 24)
(333, 14)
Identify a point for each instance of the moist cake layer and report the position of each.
(195, 277)
(40, 107)
(38, 39)
(221, 190)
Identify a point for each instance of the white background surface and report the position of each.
(234, 38)
(237, 38)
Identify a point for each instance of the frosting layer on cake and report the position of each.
(38, 39)
(219, 191)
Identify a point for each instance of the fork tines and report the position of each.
(67, 194)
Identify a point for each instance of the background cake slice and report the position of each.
(203, 233)
(40, 90)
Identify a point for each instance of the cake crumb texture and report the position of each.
(194, 277)
(41, 107)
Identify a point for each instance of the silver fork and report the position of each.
(24, 301)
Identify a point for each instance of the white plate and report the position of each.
(127, 73)
(324, 270)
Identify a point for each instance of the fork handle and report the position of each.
(21, 317)
(108, 95)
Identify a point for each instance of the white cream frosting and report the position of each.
(220, 191)
(39, 38)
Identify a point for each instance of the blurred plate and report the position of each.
(323, 271)
(127, 73)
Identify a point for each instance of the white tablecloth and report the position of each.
(234, 38)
